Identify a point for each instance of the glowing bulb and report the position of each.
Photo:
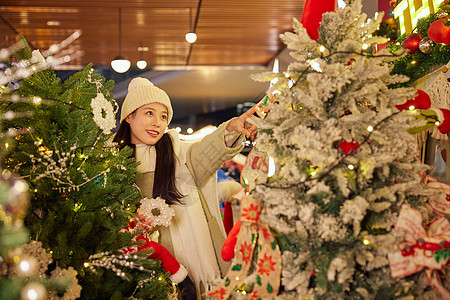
(413, 62)
(322, 49)
(313, 173)
(237, 277)
(86, 264)
(120, 64)
(412, 107)
(24, 266)
(32, 294)
(160, 278)
(287, 75)
(141, 64)
(437, 123)
(351, 167)
(37, 100)
(370, 129)
(178, 129)
(6, 145)
(190, 130)
(365, 46)
(191, 37)
(366, 242)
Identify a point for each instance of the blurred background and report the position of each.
(208, 81)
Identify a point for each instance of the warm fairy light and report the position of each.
(86, 264)
(437, 123)
(81, 155)
(178, 129)
(35, 190)
(313, 173)
(365, 46)
(237, 277)
(6, 145)
(370, 129)
(37, 100)
(190, 130)
(366, 242)
(287, 75)
(413, 62)
(322, 49)
(24, 266)
(412, 107)
(160, 278)
(121, 141)
(244, 292)
(351, 167)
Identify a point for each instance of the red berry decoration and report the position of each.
(347, 147)
(439, 33)
(421, 101)
(412, 42)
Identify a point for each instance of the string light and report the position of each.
(86, 264)
(412, 107)
(369, 128)
(190, 130)
(322, 49)
(366, 242)
(365, 46)
(351, 167)
(6, 145)
(437, 123)
(37, 100)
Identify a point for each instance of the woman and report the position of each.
(183, 174)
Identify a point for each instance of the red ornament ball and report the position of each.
(412, 42)
(439, 33)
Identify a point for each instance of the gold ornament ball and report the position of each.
(425, 45)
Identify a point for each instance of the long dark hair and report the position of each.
(164, 179)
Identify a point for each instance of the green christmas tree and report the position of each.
(81, 187)
(344, 166)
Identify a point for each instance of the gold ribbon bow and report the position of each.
(253, 234)
(422, 249)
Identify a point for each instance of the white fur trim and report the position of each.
(180, 275)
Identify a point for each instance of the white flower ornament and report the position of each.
(157, 211)
(99, 106)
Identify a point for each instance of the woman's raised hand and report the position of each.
(241, 124)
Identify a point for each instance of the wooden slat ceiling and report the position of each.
(230, 32)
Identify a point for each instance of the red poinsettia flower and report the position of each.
(447, 197)
(266, 265)
(220, 293)
(251, 213)
(246, 250)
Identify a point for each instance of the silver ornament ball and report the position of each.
(425, 45)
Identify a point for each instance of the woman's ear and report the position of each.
(129, 118)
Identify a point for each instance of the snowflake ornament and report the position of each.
(157, 211)
(100, 105)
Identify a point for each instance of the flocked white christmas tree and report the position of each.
(345, 165)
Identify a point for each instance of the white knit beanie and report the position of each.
(142, 91)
